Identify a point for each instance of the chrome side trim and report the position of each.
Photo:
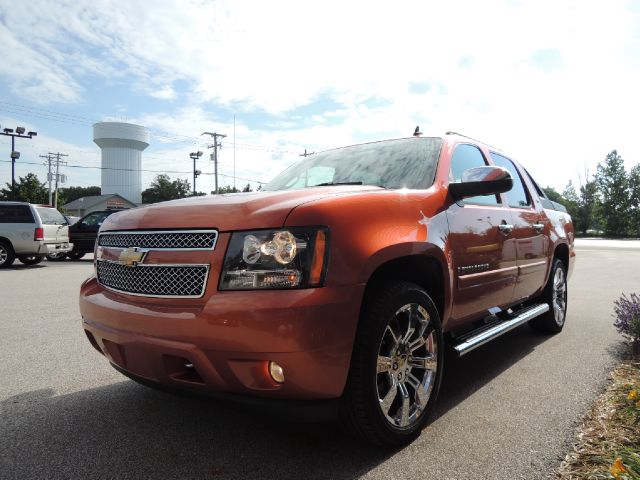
(487, 272)
(503, 327)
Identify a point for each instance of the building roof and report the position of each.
(87, 202)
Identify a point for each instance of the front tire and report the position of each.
(7, 256)
(396, 366)
(31, 259)
(555, 295)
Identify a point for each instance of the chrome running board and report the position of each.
(486, 335)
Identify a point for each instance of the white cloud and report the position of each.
(468, 66)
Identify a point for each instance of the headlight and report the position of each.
(272, 259)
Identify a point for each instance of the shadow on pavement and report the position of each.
(125, 430)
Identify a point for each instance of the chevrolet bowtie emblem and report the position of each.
(131, 257)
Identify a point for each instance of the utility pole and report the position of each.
(49, 157)
(305, 154)
(195, 156)
(214, 155)
(8, 132)
(58, 163)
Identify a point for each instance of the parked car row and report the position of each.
(83, 234)
(31, 232)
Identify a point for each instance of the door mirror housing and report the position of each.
(476, 181)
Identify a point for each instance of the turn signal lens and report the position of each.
(276, 372)
(315, 278)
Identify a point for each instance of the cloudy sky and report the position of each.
(552, 83)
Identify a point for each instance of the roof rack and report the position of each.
(471, 138)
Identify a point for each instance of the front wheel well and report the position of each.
(562, 252)
(422, 270)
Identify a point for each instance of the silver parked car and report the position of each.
(29, 232)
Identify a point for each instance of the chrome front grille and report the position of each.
(161, 240)
(154, 280)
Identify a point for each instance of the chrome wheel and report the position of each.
(559, 296)
(406, 366)
(4, 255)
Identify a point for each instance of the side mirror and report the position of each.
(487, 180)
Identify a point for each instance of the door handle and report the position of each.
(505, 228)
(538, 227)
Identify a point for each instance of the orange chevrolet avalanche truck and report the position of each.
(345, 278)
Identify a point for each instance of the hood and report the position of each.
(233, 211)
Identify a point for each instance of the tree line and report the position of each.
(30, 189)
(608, 202)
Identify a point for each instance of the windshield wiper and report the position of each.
(328, 184)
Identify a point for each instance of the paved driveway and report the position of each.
(507, 410)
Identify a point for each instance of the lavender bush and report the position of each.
(627, 314)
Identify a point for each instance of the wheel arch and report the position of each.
(423, 265)
(7, 241)
(561, 251)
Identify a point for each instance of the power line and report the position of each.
(86, 121)
(143, 170)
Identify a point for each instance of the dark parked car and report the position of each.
(85, 232)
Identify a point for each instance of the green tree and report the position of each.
(73, 193)
(162, 189)
(247, 188)
(572, 201)
(226, 189)
(27, 189)
(612, 182)
(634, 200)
(553, 195)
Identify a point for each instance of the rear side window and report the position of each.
(465, 157)
(15, 214)
(51, 216)
(518, 196)
(94, 219)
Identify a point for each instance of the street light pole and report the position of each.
(195, 156)
(19, 132)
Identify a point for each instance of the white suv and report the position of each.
(30, 232)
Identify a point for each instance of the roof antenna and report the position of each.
(417, 131)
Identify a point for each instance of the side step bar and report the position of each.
(485, 336)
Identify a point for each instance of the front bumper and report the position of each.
(224, 343)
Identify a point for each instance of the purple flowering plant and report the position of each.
(627, 316)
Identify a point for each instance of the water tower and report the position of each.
(122, 145)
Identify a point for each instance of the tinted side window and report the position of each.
(95, 218)
(465, 157)
(540, 192)
(518, 195)
(15, 214)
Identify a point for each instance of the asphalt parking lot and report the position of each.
(507, 410)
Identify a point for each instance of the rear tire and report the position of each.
(75, 255)
(7, 256)
(56, 256)
(31, 259)
(396, 365)
(555, 295)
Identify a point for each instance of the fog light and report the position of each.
(276, 372)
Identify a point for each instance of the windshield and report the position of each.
(404, 163)
(51, 216)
